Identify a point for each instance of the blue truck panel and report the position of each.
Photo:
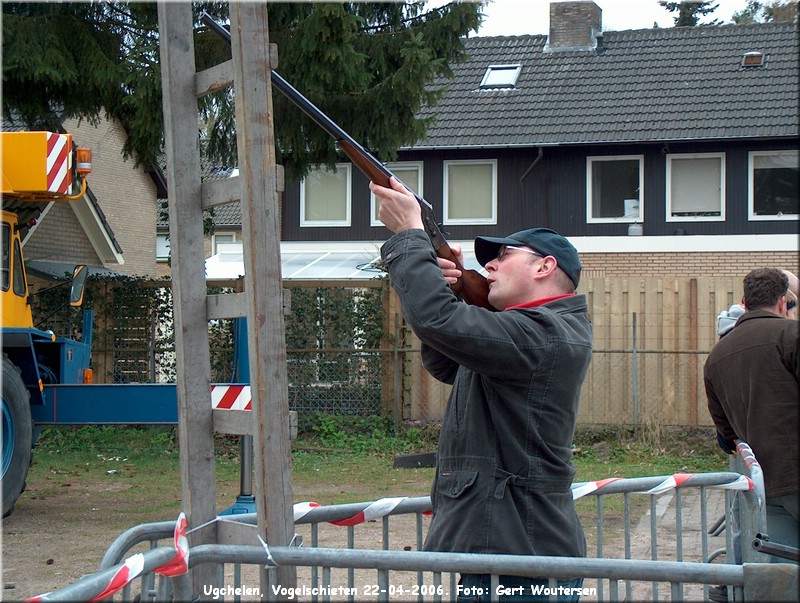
(99, 404)
(124, 404)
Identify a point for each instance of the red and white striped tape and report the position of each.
(301, 509)
(672, 482)
(231, 397)
(180, 563)
(678, 479)
(58, 160)
(590, 487)
(743, 483)
(134, 566)
(374, 511)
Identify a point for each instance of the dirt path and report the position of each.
(56, 535)
(63, 524)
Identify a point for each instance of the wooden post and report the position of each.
(195, 424)
(693, 361)
(263, 284)
(390, 340)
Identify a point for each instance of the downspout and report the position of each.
(526, 174)
(533, 165)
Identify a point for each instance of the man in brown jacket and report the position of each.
(751, 380)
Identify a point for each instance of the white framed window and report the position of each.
(615, 188)
(773, 185)
(470, 192)
(696, 187)
(221, 238)
(325, 197)
(162, 247)
(409, 173)
(501, 76)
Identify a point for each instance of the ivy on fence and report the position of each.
(334, 336)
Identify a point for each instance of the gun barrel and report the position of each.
(472, 286)
(311, 110)
(762, 544)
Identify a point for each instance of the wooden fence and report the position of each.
(651, 339)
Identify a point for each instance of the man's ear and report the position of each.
(782, 303)
(548, 266)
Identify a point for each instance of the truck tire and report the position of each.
(17, 434)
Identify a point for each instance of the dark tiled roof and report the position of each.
(643, 85)
(226, 215)
(229, 214)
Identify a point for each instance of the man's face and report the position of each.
(511, 276)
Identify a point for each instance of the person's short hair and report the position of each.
(563, 281)
(763, 287)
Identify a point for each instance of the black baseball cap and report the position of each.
(542, 240)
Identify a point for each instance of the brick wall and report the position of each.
(59, 237)
(735, 264)
(574, 24)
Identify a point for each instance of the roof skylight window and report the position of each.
(753, 59)
(501, 76)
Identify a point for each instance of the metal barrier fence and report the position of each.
(655, 540)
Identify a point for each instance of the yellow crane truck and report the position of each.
(47, 380)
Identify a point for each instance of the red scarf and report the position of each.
(539, 302)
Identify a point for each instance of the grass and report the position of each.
(623, 452)
(335, 460)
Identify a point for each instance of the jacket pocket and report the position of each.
(453, 484)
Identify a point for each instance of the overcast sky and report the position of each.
(518, 17)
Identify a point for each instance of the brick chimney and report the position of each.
(574, 25)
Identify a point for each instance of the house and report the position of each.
(657, 152)
(226, 219)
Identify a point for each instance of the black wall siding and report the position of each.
(554, 193)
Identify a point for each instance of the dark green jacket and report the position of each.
(503, 471)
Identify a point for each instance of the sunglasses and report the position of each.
(504, 249)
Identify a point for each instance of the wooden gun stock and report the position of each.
(471, 286)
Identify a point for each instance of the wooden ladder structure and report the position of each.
(257, 189)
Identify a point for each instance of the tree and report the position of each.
(68, 59)
(367, 65)
(689, 13)
(766, 12)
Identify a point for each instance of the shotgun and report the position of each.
(471, 286)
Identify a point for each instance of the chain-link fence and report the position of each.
(340, 382)
(645, 387)
(349, 352)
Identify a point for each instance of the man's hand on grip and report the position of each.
(450, 269)
(399, 209)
